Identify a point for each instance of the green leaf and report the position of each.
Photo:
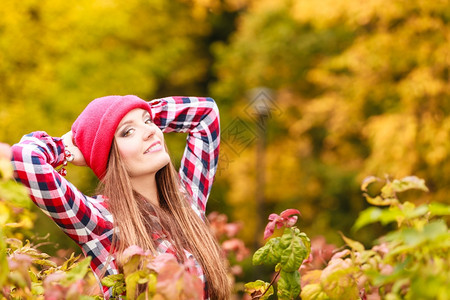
(435, 229)
(260, 255)
(118, 289)
(294, 251)
(387, 192)
(132, 264)
(411, 237)
(132, 280)
(44, 262)
(375, 214)
(338, 280)
(278, 267)
(288, 285)
(439, 209)
(381, 201)
(258, 288)
(17, 278)
(355, 245)
(14, 243)
(269, 254)
(77, 272)
(37, 288)
(399, 270)
(33, 277)
(408, 183)
(111, 280)
(4, 268)
(415, 212)
(313, 292)
(367, 216)
(368, 181)
(151, 285)
(392, 214)
(70, 261)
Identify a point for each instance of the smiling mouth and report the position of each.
(154, 148)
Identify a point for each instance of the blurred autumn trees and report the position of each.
(360, 88)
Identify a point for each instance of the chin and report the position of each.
(164, 162)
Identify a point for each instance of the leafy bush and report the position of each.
(162, 277)
(286, 253)
(28, 273)
(411, 262)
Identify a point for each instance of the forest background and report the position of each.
(352, 88)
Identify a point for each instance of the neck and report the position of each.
(146, 186)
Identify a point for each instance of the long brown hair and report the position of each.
(134, 225)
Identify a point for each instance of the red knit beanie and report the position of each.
(94, 129)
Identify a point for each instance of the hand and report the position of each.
(78, 159)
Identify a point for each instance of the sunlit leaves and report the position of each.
(286, 252)
(286, 219)
(269, 253)
(403, 264)
(162, 276)
(338, 280)
(259, 289)
(295, 248)
(397, 211)
(355, 245)
(314, 292)
(288, 285)
(363, 89)
(3, 260)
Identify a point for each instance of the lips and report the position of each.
(156, 146)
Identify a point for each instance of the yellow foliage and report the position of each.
(393, 140)
(362, 86)
(323, 13)
(242, 191)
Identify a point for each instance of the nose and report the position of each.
(149, 131)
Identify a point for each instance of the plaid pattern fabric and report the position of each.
(86, 219)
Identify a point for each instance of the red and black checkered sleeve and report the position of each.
(199, 117)
(34, 159)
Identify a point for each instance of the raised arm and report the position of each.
(34, 160)
(199, 117)
(82, 218)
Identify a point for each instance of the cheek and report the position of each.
(128, 150)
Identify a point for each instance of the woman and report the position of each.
(142, 200)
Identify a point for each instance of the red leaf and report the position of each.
(160, 261)
(232, 229)
(288, 212)
(131, 251)
(237, 246)
(269, 229)
(286, 219)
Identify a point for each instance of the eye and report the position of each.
(127, 132)
(148, 121)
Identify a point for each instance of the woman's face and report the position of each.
(141, 144)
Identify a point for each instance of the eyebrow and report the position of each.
(130, 121)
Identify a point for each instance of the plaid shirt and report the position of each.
(86, 219)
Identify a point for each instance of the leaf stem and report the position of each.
(271, 283)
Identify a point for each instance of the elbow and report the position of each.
(213, 105)
(215, 119)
